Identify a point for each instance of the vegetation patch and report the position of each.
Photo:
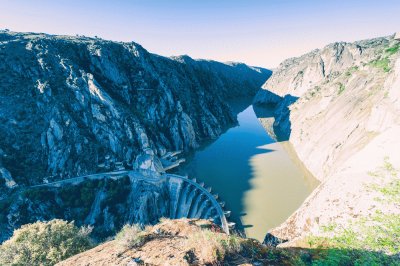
(214, 246)
(372, 240)
(351, 70)
(132, 236)
(341, 88)
(384, 62)
(393, 50)
(44, 243)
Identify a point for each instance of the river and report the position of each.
(261, 181)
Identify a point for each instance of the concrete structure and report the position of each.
(188, 198)
(192, 200)
(145, 161)
(397, 36)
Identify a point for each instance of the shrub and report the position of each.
(44, 243)
(351, 70)
(214, 246)
(341, 88)
(132, 236)
(370, 240)
(394, 49)
(383, 63)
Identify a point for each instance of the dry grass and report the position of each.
(212, 246)
(204, 242)
(132, 236)
(181, 242)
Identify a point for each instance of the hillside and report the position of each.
(340, 107)
(200, 242)
(67, 102)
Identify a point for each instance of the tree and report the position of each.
(44, 243)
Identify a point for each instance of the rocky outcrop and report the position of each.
(6, 180)
(343, 126)
(107, 201)
(106, 204)
(182, 242)
(67, 101)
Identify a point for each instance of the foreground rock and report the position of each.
(180, 242)
(344, 124)
(66, 102)
(200, 242)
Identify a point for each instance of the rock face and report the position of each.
(66, 102)
(106, 204)
(344, 124)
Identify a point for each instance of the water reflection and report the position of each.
(261, 183)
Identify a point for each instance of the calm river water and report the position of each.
(261, 180)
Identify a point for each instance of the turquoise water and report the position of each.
(260, 180)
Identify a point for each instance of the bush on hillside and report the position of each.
(132, 236)
(44, 243)
(214, 246)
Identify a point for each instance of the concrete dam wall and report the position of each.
(109, 200)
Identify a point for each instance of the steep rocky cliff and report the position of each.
(340, 108)
(105, 204)
(66, 102)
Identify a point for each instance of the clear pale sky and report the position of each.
(257, 32)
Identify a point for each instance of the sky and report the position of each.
(257, 32)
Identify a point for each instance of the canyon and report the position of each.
(330, 118)
(339, 107)
(69, 102)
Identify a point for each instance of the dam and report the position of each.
(187, 197)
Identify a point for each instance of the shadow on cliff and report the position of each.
(274, 113)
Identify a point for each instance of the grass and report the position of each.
(379, 233)
(132, 236)
(351, 70)
(382, 63)
(372, 240)
(214, 246)
(393, 50)
(341, 88)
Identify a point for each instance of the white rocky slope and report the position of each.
(344, 126)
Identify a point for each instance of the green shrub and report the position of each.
(341, 88)
(394, 49)
(44, 243)
(381, 63)
(351, 70)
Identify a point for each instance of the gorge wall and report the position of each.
(340, 108)
(66, 102)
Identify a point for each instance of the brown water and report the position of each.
(261, 181)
